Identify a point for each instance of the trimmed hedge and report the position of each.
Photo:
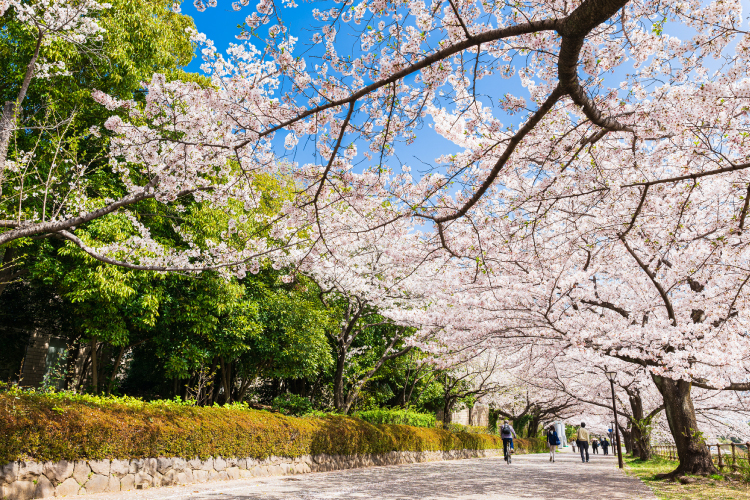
(397, 416)
(63, 426)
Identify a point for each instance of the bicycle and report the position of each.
(507, 450)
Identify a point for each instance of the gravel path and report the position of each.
(530, 476)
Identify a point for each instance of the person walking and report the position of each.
(582, 440)
(573, 444)
(507, 434)
(605, 446)
(595, 446)
(553, 441)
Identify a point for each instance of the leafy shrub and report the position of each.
(402, 416)
(474, 429)
(292, 404)
(531, 445)
(65, 426)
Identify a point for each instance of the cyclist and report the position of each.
(507, 433)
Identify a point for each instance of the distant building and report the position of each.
(478, 415)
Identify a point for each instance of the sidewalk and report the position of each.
(529, 477)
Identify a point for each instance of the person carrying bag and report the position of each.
(553, 441)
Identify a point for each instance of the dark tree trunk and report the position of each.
(641, 428)
(94, 366)
(72, 355)
(447, 417)
(533, 427)
(627, 439)
(693, 453)
(115, 369)
(338, 379)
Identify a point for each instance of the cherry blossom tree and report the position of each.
(598, 204)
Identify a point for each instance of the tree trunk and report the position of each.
(533, 427)
(447, 417)
(627, 439)
(641, 428)
(115, 369)
(693, 453)
(94, 366)
(338, 379)
(72, 355)
(225, 378)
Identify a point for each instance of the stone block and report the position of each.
(169, 478)
(81, 471)
(163, 464)
(242, 463)
(68, 487)
(44, 488)
(114, 483)
(213, 475)
(220, 464)
(200, 476)
(19, 490)
(150, 466)
(245, 474)
(301, 468)
(181, 478)
(100, 467)
(195, 463)
(233, 472)
(127, 482)
(57, 472)
(275, 470)
(143, 478)
(179, 464)
(97, 483)
(231, 462)
(207, 465)
(29, 471)
(119, 467)
(158, 480)
(189, 475)
(9, 472)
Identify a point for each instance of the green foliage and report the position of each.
(292, 404)
(61, 426)
(404, 416)
(532, 445)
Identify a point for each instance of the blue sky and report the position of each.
(220, 25)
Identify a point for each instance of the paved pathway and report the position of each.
(529, 477)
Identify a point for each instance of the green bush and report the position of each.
(397, 416)
(474, 429)
(531, 445)
(292, 404)
(64, 426)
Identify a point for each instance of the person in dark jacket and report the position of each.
(595, 446)
(605, 446)
(553, 441)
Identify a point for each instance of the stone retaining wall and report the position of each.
(27, 480)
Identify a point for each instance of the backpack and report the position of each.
(506, 429)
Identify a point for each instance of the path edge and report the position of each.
(26, 480)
